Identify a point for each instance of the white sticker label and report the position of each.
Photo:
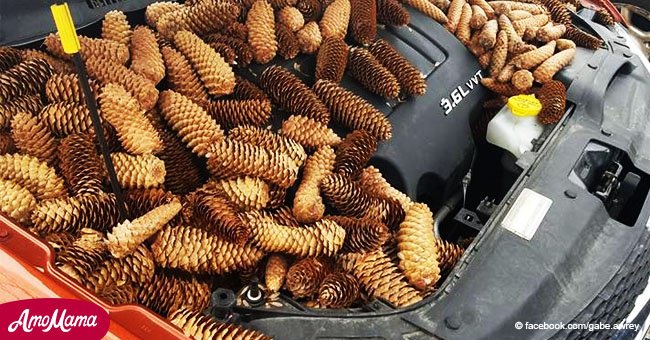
(527, 213)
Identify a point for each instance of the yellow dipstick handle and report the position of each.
(65, 26)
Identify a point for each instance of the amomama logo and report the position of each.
(52, 319)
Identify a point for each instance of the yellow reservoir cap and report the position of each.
(524, 105)
(65, 26)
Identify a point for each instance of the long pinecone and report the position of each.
(128, 235)
(245, 89)
(78, 262)
(72, 214)
(308, 204)
(199, 326)
(115, 27)
(225, 51)
(33, 138)
(141, 201)
(261, 31)
(418, 248)
(32, 174)
(219, 217)
(182, 78)
(391, 12)
(231, 158)
(241, 47)
(410, 79)
(309, 37)
(331, 60)
(582, 38)
(146, 59)
(202, 18)
(535, 57)
(291, 17)
(197, 251)
(157, 9)
(66, 118)
(305, 276)
(230, 113)
(167, 292)
(29, 103)
(308, 132)
(361, 234)
(123, 112)
(286, 90)
(17, 202)
(363, 21)
(9, 57)
(66, 88)
(269, 140)
(354, 152)
(338, 290)
(140, 87)
(81, 165)
(138, 172)
(429, 9)
(553, 98)
(336, 17)
(246, 193)
(547, 70)
(366, 69)
(26, 78)
(449, 254)
(288, 44)
(375, 184)
(275, 272)
(136, 269)
(353, 111)
(195, 126)
(323, 237)
(59, 66)
(100, 49)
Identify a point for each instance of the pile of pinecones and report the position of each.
(205, 182)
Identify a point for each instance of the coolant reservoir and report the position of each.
(516, 125)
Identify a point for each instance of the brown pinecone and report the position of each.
(123, 112)
(323, 237)
(167, 292)
(351, 200)
(331, 60)
(81, 165)
(500, 54)
(288, 45)
(522, 80)
(278, 4)
(269, 140)
(448, 253)
(58, 65)
(453, 15)
(124, 238)
(197, 251)
(428, 9)
(225, 51)
(17, 202)
(141, 201)
(418, 248)
(308, 204)
(246, 193)
(119, 295)
(363, 21)
(66, 118)
(30, 104)
(291, 17)
(72, 214)
(60, 241)
(275, 272)
(241, 48)
(202, 18)
(286, 90)
(230, 158)
(146, 59)
(354, 152)
(219, 217)
(464, 29)
(547, 70)
(90, 239)
(157, 9)
(533, 58)
(553, 98)
(277, 197)
(214, 72)
(336, 17)
(138, 172)
(361, 234)
(558, 11)
(479, 18)
(101, 49)
(182, 78)
(28, 77)
(36, 176)
(603, 17)
(140, 87)
(33, 138)
(565, 44)
(181, 166)
(308, 132)
(245, 89)
(231, 113)
(410, 79)
(305, 276)
(136, 269)
(338, 290)
(195, 126)
(381, 278)
(9, 57)
(375, 184)
(78, 262)
(582, 38)
(6, 143)
(367, 70)
(115, 27)
(66, 88)
(504, 89)
(261, 31)
(199, 326)
(309, 37)
(311, 10)
(391, 12)
(238, 30)
(550, 32)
